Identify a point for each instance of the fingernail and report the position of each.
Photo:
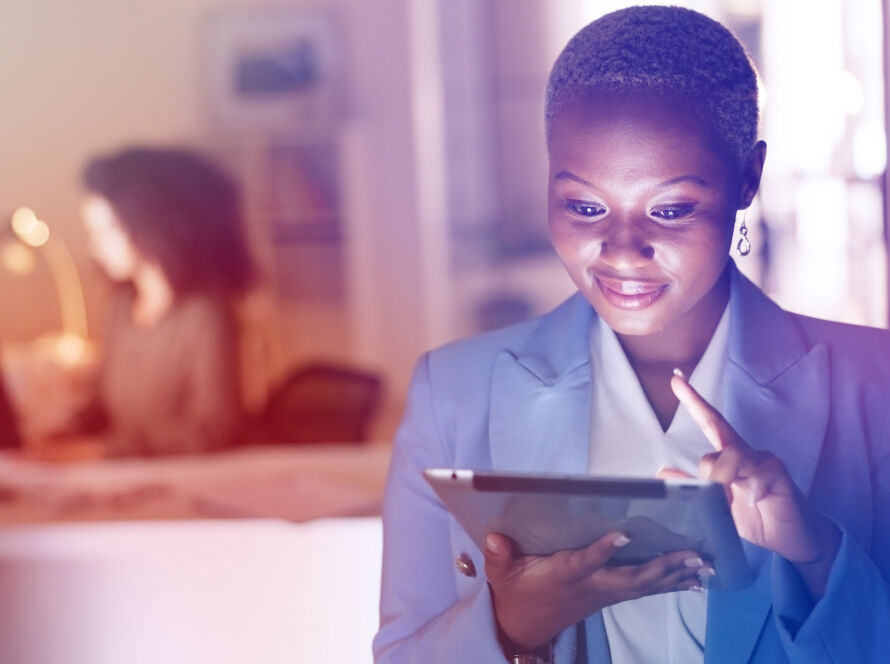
(491, 542)
(694, 562)
(695, 589)
(706, 572)
(621, 541)
(679, 372)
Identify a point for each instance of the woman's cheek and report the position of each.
(692, 247)
(560, 237)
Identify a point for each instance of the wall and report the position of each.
(80, 78)
(89, 76)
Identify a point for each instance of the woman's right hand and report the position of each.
(537, 597)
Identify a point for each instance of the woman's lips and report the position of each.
(628, 293)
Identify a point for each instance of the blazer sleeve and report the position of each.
(850, 622)
(422, 618)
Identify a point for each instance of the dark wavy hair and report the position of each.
(179, 210)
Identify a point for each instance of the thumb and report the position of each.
(499, 554)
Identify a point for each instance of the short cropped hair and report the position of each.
(180, 210)
(665, 50)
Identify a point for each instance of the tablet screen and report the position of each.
(547, 513)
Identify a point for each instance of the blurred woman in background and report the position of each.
(165, 226)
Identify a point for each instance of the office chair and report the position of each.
(319, 403)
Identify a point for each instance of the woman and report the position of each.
(651, 125)
(165, 226)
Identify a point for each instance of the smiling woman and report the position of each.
(641, 212)
(642, 203)
(651, 122)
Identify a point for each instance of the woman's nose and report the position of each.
(626, 245)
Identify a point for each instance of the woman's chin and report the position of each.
(637, 326)
(635, 323)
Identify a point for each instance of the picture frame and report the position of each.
(274, 72)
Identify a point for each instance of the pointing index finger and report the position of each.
(716, 429)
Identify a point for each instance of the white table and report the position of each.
(314, 481)
(82, 586)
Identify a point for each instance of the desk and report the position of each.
(146, 577)
(313, 481)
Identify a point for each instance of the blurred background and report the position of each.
(392, 158)
(393, 170)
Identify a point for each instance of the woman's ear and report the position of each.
(751, 175)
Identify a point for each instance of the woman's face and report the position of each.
(641, 211)
(108, 242)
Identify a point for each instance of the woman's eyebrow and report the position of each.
(566, 175)
(694, 179)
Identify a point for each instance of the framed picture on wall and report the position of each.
(273, 71)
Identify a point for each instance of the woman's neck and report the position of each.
(154, 296)
(682, 343)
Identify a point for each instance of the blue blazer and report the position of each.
(814, 393)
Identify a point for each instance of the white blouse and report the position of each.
(626, 439)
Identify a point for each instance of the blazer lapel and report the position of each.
(776, 384)
(777, 400)
(540, 410)
(540, 396)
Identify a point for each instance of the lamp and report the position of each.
(32, 233)
(52, 377)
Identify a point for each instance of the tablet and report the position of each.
(546, 513)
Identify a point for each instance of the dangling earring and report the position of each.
(744, 244)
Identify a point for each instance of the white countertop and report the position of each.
(116, 561)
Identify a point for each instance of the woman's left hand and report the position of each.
(767, 507)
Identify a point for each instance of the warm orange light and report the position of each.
(29, 229)
(17, 258)
(72, 349)
(24, 219)
(32, 231)
(37, 235)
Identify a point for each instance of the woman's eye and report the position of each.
(585, 209)
(672, 212)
